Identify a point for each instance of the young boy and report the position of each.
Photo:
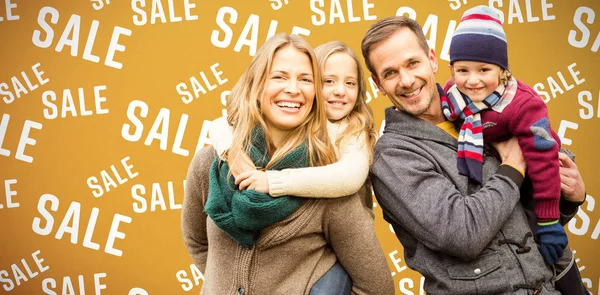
(495, 106)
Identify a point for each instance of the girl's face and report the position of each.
(340, 85)
(476, 79)
(289, 91)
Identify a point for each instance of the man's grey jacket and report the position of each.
(464, 238)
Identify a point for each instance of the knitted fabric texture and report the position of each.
(480, 37)
(470, 138)
(242, 214)
(552, 239)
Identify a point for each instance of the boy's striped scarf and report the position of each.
(470, 138)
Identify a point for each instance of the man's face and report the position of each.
(405, 73)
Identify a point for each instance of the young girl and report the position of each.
(350, 127)
(246, 242)
(495, 106)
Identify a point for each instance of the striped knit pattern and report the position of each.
(470, 137)
(480, 37)
(479, 21)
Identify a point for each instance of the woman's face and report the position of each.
(289, 91)
(340, 85)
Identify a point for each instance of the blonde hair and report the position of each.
(244, 111)
(505, 76)
(360, 118)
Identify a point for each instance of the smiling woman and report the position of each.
(280, 245)
(289, 93)
(284, 73)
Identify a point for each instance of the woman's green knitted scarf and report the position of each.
(242, 214)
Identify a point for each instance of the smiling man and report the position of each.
(462, 236)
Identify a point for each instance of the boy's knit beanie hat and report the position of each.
(480, 37)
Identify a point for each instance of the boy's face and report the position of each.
(476, 79)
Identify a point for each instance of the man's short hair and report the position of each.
(385, 28)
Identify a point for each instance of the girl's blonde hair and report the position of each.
(360, 119)
(244, 111)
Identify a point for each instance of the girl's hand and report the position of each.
(253, 180)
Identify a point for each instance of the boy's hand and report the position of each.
(553, 240)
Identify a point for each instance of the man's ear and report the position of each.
(433, 60)
(376, 80)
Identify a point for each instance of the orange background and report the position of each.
(159, 56)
